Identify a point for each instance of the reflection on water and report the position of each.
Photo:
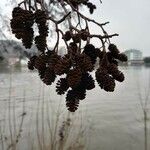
(115, 119)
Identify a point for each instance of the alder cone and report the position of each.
(40, 17)
(62, 86)
(80, 92)
(31, 62)
(53, 59)
(67, 36)
(21, 25)
(91, 7)
(27, 38)
(105, 81)
(71, 101)
(109, 83)
(43, 30)
(40, 42)
(100, 76)
(26, 16)
(115, 62)
(104, 62)
(84, 62)
(90, 51)
(76, 38)
(17, 11)
(117, 75)
(40, 62)
(99, 53)
(49, 76)
(17, 25)
(88, 81)
(62, 66)
(30, 65)
(74, 77)
(113, 49)
(84, 35)
(73, 47)
(112, 68)
(42, 73)
(122, 57)
(111, 58)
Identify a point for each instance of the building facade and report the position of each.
(135, 57)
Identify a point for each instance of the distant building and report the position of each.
(135, 57)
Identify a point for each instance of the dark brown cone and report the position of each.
(41, 20)
(74, 77)
(53, 60)
(117, 75)
(84, 62)
(122, 57)
(111, 58)
(31, 62)
(104, 80)
(115, 62)
(40, 62)
(100, 76)
(88, 81)
(99, 53)
(49, 76)
(62, 86)
(76, 38)
(30, 65)
(84, 35)
(43, 30)
(21, 25)
(90, 51)
(91, 6)
(15, 24)
(67, 35)
(26, 16)
(40, 42)
(40, 17)
(112, 68)
(113, 49)
(17, 11)
(72, 49)
(104, 61)
(27, 38)
(80, 92)
(109, 84)
(62, 66)
(42, 73)
(71, 101)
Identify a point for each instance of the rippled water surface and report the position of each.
(114, 120)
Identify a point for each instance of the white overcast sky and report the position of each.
(129, 18)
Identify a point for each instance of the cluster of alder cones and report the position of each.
(22, 26)
(75, 66)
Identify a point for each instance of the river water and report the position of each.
(112, 121)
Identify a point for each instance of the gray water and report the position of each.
(114, 121)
